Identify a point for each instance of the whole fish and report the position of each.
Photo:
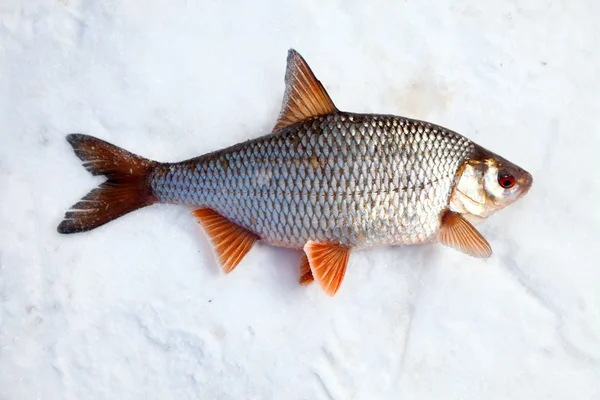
(323, 180)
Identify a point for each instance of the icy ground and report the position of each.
(138, 310)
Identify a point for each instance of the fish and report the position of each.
(323, 181)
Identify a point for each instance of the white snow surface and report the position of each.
(138, 309)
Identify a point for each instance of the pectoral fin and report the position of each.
(231, 241)
(458, 233)
(328, 264)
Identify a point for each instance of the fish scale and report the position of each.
(386, 178)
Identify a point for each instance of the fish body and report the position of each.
(324, 181)
(357, 180)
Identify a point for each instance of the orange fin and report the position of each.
(306, 276)
(126, 188)
(328, 264)
(231, 242)
(304, 96)
(458, 233)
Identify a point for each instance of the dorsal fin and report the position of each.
(304, 95)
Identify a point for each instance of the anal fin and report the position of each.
(458, 233)
(328, 264)
(231, 241)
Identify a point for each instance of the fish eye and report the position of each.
(506, 180)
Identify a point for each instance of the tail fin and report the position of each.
(126, 188)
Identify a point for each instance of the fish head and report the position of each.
(486, 184)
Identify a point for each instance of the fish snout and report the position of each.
(525, 180)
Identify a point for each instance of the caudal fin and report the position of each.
(126, 188)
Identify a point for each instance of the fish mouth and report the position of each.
(525, 181)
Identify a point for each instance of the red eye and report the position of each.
(506, 181)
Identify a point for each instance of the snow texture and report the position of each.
(137, 308)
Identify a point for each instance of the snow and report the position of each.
(138, 309)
